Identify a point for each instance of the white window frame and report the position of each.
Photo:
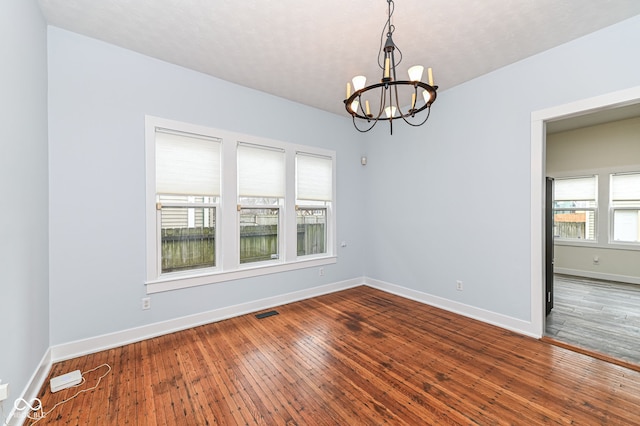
(320, 201)
(158, 258)
(328, 242)
(594, 209)
(281, 239)
(228, 265)
(613, 209)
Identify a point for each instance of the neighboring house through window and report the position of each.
(574, 208)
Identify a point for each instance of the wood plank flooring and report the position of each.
(601, 316)
(355, 357)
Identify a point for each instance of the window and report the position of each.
(187, 193)
(261, 190)
(314, 177)
(574, 208)
(625, 207)
(223, 206)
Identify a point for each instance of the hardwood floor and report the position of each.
(601, 316)
(355, 357)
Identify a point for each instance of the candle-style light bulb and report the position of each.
(415, 72)
(390, 111)
(430, 74)
(358, 82)
(348, 90)
(427, 96)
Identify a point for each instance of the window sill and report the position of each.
(182, 281)
(595, 244)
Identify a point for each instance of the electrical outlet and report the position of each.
(146, 303)
(459, 285)
(321, 272)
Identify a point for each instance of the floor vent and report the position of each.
(266, 314)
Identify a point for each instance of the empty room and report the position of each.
(210, 216)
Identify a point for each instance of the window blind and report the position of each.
(625, 187)
(575, 189)
(187, 164)
(261, 171)
(313, 177)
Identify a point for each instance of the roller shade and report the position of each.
(625, 187)
(261, 171)
(187, 164)
(575, 189)
(314, 177)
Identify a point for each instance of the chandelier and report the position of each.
(389, 96)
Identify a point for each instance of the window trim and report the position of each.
(228, 265)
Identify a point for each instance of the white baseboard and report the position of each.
(503, 321)
(597, 275)
(30, 392)
(112, 340)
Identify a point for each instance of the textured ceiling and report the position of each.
(306, 51)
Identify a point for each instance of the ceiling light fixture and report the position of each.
(389, 107)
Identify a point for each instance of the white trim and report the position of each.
(598, 275)
(618, 245)
(32, 388)
(503, 321)
(169, 282)
(538, 136)
(112, 340)
(538, 194)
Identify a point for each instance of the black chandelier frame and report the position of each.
(388, 86)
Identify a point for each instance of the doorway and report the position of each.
(596, 310)
(604, 108)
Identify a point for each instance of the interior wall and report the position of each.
(605, 146)
(602, 149)
(24, 285)
(453, 198)
(99, 96)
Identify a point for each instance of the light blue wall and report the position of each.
(451, 200)
(99, 95)
(24, 285)
(445, 202)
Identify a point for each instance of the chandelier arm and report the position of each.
(383, 101)
(395, 89)
(421, 123)
(359, 129)
(360, 104)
